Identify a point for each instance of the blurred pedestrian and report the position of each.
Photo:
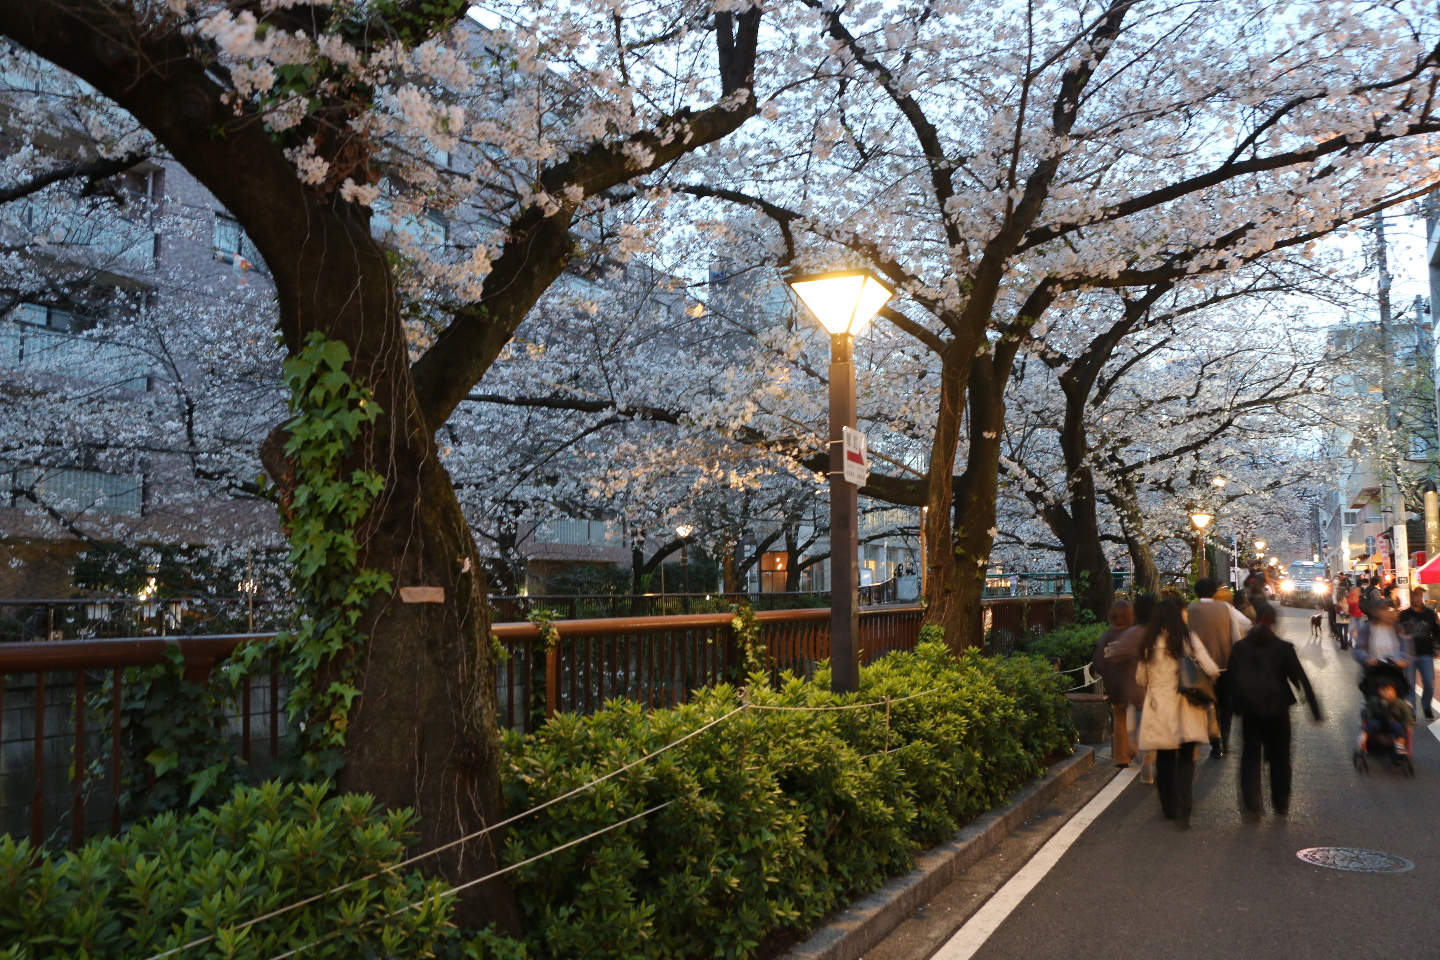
(1123, 656)
(1243, 620)
(1421, 623)
(1172, 725)
(1211, 621)
(1118, 680)
(1263, 668)
(1377, 641)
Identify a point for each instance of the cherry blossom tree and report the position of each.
(993, 166)
(306, 122)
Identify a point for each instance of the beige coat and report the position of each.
(1169, 718)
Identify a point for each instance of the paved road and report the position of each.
(1135, 887)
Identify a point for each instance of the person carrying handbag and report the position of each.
(1172, 723)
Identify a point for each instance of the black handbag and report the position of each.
(1195, 684)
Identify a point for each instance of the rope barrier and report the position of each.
(847, 706)
(201, 941)
(453, 843)
(489, 876)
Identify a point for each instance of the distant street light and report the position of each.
(1259, 546)
(843, 301)
(683, 531)
(1219, 483)
(1201, 521)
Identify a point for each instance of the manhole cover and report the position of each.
(1359, 861)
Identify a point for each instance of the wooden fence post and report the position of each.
(552, 679)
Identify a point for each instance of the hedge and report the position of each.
(774, 818)
(1074, 644)
(174, 879)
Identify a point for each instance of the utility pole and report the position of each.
(1394, 502)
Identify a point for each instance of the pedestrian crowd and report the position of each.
(1177, 675)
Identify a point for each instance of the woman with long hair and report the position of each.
(1171, 724)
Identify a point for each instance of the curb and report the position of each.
(867, 921)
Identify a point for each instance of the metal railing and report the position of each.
(55, 709)
(107, 617)
(1056, 584)
(55, 713)
(515, 609)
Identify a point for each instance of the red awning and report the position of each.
(1430, 573)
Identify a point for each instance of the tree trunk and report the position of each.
(792, 559)
(1091, 582)
(637, 568)
(1145, 575)
(975, 493)
(728, 575)
(945, 604)
(422, 732)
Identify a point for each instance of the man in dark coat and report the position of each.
(1263, 668)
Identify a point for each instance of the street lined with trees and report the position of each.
(500, 267)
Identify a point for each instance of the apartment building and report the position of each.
(1379, 486)
(96, 454)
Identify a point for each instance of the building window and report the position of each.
(233, 246)
(51, 318)
(1351, 518)
(78, 491)
(579, 532)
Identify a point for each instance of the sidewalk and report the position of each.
(1134, 888)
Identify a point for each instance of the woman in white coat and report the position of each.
(1171, 725)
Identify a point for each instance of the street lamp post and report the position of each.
(683, 531)
(1201, 520)
(843, 301)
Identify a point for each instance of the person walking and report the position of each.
(1116, 680)
(1171, 724)
(1263, 668)
(1122, 657)
(1377, 641)
(1421, 623)
(1369, 594)
(1211, 621)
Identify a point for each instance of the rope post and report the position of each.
(552, 679)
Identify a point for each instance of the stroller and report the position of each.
(1381, 744)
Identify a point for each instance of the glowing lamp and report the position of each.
(842, 300)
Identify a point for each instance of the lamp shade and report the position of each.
(842, 300)
(684, 530)
(1201, 520)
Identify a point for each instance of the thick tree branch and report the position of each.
(91, 170)
(538, 244)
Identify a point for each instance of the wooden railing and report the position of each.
(53, 715)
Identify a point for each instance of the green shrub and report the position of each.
(775, 817)
(177, 878)
(1073, 644)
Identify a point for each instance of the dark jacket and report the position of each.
(1108, 671)
(1262, 669)
(1423, 627)
(1116, 657)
